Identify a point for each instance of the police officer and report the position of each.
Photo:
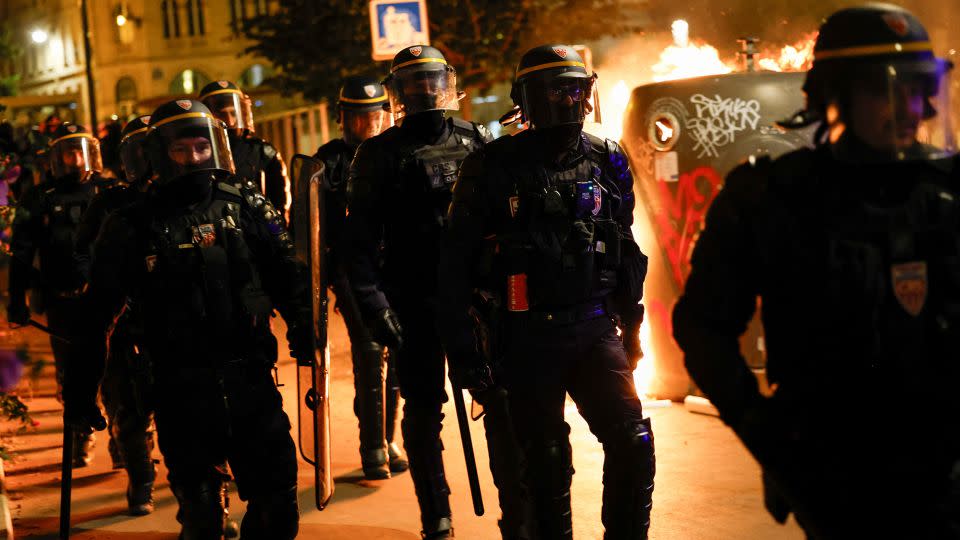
(254, 158)
(130, 420)
(851, 248)
(541, 221)
(361, 115)
(398, 192)
(46, 224)
(203, 269)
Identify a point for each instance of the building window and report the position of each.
(254, 76)
(126, 96)
(242, 11)
(188, 81)
(183, 12)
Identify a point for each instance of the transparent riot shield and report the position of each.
(312, 373)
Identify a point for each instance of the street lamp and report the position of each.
(38, 36)
(121, 19)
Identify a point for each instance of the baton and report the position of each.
(464, 422)
(43, 328)
(66, 481)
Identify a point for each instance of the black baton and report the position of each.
(464, 421)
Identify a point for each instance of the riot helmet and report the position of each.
(421, 80)
(132, 157)
(74, 153)
(361, 107)
(552, 86)
(228, 103)
(878, 89)
(184, 138)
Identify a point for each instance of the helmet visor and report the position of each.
(135, 165)
(190, 144)
(359, 126)
(556, 101)
(76, 154)
(413, 91)
(231, 108)
(902, 111)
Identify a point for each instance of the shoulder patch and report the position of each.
(269, 151)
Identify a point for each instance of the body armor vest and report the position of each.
(200, 287)
(888, 270)
(62, 212)
(561, 233)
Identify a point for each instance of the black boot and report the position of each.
(549, 472)
(140, 489)
(368, 406)
(628, 469)
(506, 460)
(398, 463)
(421, 438)
(202, 513)
(271, 516)
(83, 443)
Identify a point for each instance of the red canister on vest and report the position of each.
(517, 293)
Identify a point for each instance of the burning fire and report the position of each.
(681, 59)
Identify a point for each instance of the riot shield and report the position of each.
(313, 386)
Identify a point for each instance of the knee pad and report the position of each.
(630, 446)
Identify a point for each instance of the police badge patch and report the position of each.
(185, 104)
(204, 235)
(910, 285)
(416, 50)
(223, 84)
(560, 51)
(370, 90)
(898, 23)
(72, 129)
(145, 119)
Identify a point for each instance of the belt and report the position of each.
(575, 314)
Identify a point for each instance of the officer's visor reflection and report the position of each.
(190, 151)
(566, 94)
(228, 115)
(73, 157)
(425, 82)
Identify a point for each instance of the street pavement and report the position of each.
(707, 486)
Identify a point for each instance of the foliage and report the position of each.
(315, 43)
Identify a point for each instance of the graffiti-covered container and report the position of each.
(683, 137)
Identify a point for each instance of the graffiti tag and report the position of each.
(681, 217)
(719, 120)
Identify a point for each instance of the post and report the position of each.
(88, 56)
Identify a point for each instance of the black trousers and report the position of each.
(206, 417)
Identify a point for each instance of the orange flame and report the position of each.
(796, 57)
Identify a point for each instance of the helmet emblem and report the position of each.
(897, 22)
(223, 84)
(370, 90)
(185, 104)
(145, 119)
(416, 50)
(561, 51)
(72, 129)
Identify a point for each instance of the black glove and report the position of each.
(18, 314)
(83, 416)
(386, 329)
(630, 334)
(300, 338)
(471, 372)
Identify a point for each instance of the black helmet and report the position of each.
(185, 137)
(135, 164)
(421, 80)
(74, 153)
(552, 86)
(228, 103)
(362, 93)
(885, 50)
(361, 104)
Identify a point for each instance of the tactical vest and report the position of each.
(200, 288)
(889, 269)
(562, 240)
(62, 212)
(250, 157)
